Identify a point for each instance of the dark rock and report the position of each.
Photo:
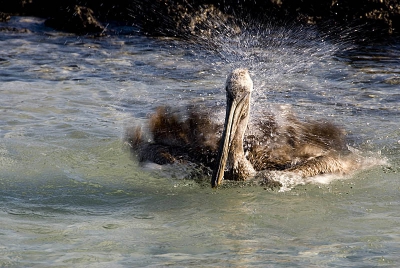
(378, 15)
(185, 17)
(182, 17)
(187, 20)
(4, 17)
(75, 19)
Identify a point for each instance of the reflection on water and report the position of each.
(71, 194)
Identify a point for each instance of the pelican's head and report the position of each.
(238, 88)
(238, 84)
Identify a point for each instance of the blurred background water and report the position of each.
(70, 194)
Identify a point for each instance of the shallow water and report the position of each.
(70, 194)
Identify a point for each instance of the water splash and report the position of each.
(281, 57)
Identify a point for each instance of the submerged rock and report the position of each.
(14, 30)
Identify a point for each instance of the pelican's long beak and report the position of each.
(234, 111)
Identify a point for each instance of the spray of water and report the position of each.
(278, 55)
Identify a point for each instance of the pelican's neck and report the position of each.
(240, 167)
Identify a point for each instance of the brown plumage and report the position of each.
(282, 147)
(174, 139)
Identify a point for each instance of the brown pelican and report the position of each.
(303, 148)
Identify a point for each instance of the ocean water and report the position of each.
(72, 195)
